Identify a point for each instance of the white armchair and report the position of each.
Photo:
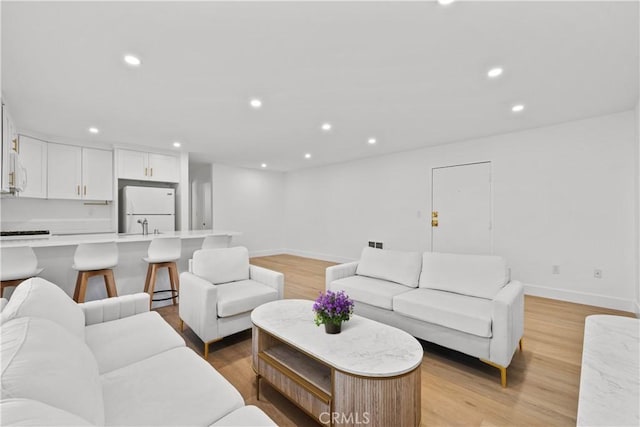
(217, 297)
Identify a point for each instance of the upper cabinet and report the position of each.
(148, 166)
(33, 154)
(79, 173)
(9, 145)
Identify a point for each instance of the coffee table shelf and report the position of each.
(369, 374)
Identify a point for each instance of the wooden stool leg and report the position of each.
(147, 281)
(81, 286)
(152, 282)
(173, 279)
(110, 284)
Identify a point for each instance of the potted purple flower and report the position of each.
(332, 308)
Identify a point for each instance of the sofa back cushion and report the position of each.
(222, 265)
(394, 266)
(43, 361)
(38, 297)
(474, 275)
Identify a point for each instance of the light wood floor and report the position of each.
(456, 389)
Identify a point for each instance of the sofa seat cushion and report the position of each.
(242, 296)
(459, 312)
(43, 361)
(221, 265)
(249, 416)
(475, 275)
(376, 292)
(27, 412)
(124, 341)
(395, 266)
(174, 388)
(38, 297)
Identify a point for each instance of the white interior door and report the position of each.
(462, 209)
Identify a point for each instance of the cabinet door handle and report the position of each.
(145, 171)
(78, 190)
(151, 171)
(85, 190)
(16, 148)
(12, 179)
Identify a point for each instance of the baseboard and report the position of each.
(582, 298)
(316, 255)
(267, 252)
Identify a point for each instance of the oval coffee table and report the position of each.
(368, 374)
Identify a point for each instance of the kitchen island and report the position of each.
(55, 254)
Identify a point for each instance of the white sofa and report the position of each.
(463, 302)
(108, 362)
(222, 288)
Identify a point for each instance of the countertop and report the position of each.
(71, 240)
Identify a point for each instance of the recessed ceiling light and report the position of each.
(132, 60)
(517, 108)
(326, 127)
(372, 141)
(177, 144)
(494, 72)
(93, 130)
(255, 103)
(445, 2)
(307, 156)
(264, 165)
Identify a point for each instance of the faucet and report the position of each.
(145, 226)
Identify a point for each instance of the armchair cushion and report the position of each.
(38, 297)
(222, 265)
(243, 296)
(459, 312)
(27, 412)
(395, 266)
(174, 388)
(474, 275)
(43, 361)
(118, 343)
(376, 292)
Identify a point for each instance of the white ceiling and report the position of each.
(412, 74)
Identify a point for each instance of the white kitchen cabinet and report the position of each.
(97, 174)
(33, 154)
(79, 173)
(9, 144)
(144, 166)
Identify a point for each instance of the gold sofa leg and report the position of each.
(206, 347)
(503, 371)
(520, 343)
(181, 325)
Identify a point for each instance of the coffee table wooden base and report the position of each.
(331, 396)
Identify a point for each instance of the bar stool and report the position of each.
(95, 259)
(216, 242)
(18, 264)
(163, 252)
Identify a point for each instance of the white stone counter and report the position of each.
(75, 239)
(364, 347)
(610, 376)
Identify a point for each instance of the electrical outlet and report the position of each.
(555, 269)
(372, 244)
(597, 273)
(378, 245)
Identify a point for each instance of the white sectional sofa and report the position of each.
(108, 362)
(463, 302)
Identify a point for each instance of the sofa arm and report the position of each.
(268, 277)
(340, 271)
(108, 309)
(198, 306)
(507, 323)
(3, 303)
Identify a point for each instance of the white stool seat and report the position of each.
(95, 256)
(18, 263)
(216, 242)
(164, 249)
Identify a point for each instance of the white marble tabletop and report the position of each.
(364, 347)
(74, 239)
(610, 376)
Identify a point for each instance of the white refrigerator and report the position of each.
(156, 205)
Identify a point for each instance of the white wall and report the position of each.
(250, 201)
(637, 157)
(563, 195)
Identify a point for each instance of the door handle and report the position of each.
(145, 171)
(85, 190)
(78, 190)
(151, 169)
